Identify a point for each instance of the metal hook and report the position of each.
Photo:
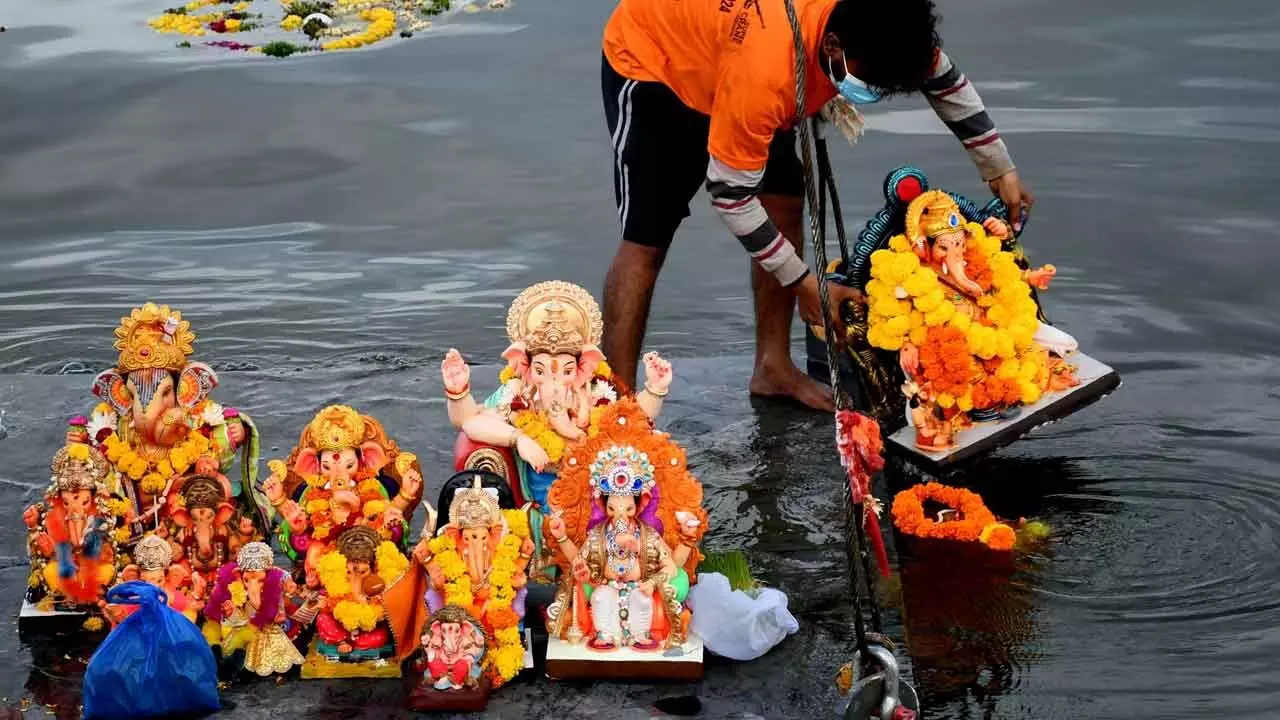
(880, 694)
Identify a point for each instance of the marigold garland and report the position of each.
(355, 615)
(978, 524)
(332, 569)
(506, 659)
(532, 423)
(155, 475)
(391, 562)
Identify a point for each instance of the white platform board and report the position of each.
(1096, 380)
(569, 661)
(29, 610)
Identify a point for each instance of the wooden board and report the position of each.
(1096, 381)
(577, 662)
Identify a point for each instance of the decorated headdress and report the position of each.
(555, 317)
(78, 467)
(475, 506)
(359, 544)
(255, 556)
(621, 470)
(153, 553)
(337, 427)
(931, 214)
(153, 338)
(202, 491)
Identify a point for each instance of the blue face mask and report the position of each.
(851, 88)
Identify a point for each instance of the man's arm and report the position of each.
(734, 198)
(958, 105)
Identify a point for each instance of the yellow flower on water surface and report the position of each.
(233, 25)
(291, 23)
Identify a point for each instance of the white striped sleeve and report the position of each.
(734, 198)
(958, 105)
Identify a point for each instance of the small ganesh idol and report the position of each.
(476, 598)
(72, 534)
(157, 421)
(554, 385)
(344, 473)
(199, 524)
(960, 313)
(153, 563)
(365, 628)
(246, 611)
(626, 520)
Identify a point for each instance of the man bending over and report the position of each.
(703, 92)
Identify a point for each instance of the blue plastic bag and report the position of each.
(155, 663)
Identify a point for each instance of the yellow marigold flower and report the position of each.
(232, 25)
(899, 243)
(78, 452)
(121, 535)
(93, 624)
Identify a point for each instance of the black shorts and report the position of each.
(660, 158)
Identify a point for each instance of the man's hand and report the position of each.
(1016, 197)
(811, 304)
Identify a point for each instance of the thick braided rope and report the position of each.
(815, 221)
(854, 512)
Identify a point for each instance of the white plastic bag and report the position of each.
(735, 625)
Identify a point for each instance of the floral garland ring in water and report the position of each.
(977, 523)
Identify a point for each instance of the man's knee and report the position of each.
(638, 257)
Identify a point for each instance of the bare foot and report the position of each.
(791, 382)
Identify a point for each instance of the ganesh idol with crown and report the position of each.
(475, 566)
(625, 523)
(157, 420)
(365, 626)
(553, 388)
(72, 535)
(960, 313)
(345, 472)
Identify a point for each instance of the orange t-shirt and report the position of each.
(731, 59)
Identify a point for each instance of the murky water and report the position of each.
(332, 225)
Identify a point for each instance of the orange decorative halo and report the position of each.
(977, 525)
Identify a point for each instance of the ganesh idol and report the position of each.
(476, 570)
(625, 522)
(157, 420)
(553, 388)
(72, 535)
(344, 473)
(366, 625)
(960, 313)
(200, 525)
